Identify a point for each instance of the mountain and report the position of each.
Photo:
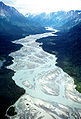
(9, 12)
(15, 21)
(60, 20)
(67, 47)
(14, 25)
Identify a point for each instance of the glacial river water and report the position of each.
(50, 92)
(1, 63)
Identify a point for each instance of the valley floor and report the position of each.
(50, 92)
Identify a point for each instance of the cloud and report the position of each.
(9, 2)
(34, 6)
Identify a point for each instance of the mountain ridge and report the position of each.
(14, 18)
(61, 20)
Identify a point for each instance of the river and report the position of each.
(50, 92)
(1, 64)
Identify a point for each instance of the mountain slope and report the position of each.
(15, 19)
(60, 20)
(13, 25)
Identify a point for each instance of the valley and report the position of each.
(50, 92)
(40, 66)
